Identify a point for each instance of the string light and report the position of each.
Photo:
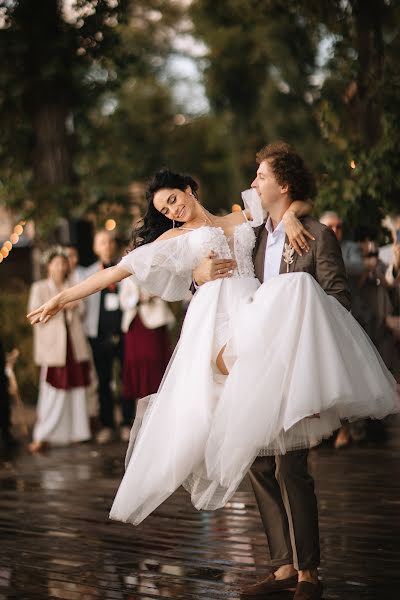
(14, 239)
(353, 164)
(110, 224)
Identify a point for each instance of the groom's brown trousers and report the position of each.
(284, 491)
(283, 487)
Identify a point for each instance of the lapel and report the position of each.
(259, 252)
(257, 233)
(284, 267)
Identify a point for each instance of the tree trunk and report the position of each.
(52, 161)
(48, 59)
(369, 44)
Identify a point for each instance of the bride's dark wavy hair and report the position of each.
(155, 223)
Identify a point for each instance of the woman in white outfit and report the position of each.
(62, 352)
(204, 427)
(146, 320)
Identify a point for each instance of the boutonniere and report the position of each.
(288, 256)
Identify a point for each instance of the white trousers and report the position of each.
(62, 415)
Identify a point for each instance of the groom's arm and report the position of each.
(212, 268)
(330, 271)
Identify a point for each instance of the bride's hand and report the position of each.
(297, 234)
(45, 312)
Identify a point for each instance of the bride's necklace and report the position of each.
(206, 220)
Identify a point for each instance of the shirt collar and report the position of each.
(278, 229)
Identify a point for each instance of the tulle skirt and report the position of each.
(298, 364)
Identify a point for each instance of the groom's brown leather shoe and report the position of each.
(270, 585)
(308, 591)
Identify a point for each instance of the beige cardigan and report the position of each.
(50, 339)
(153, 314)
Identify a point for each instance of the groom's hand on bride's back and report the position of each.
(212, 268)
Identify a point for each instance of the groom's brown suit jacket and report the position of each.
(324, 260)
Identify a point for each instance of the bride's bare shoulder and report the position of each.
(236, 218)
(169, 234)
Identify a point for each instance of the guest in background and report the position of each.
(390, 256)
(61, 350)
(103, 328)
(393, 268)
(351, 251)
(6, 438)
(392, 224)
(147, 347)
(370, 304)
(76, 272)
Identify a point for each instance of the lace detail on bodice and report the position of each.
(244, 242)
(238, 246)
(164, 267)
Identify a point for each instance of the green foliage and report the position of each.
(257, 74)
(86, 102)
(261, 69)
(44, 79)
(203, 147)
(142, 135)
(358, 108)
(127, 144)
(57, 74)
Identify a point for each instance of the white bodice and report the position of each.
(165, 267)
(238, 246)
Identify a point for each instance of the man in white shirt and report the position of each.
(103, 328)
(274, 249)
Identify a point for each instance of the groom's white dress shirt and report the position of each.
(274, 249)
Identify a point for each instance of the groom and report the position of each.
(283, 487)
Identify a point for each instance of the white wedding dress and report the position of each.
(298, 362)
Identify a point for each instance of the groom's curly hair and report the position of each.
(289, 169)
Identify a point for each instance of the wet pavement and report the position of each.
(56, 540)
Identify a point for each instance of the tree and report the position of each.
(45, 62)
(59, 69)
(358, 108)
(258, 74)
(262, 71)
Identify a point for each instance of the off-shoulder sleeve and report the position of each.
(252, 201)
(164, 268)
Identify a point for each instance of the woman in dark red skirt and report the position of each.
(147, 349)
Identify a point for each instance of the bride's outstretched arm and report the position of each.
(297, 234)
(89, 286)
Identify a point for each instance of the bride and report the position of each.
(230, 391)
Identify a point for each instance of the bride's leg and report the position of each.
(221, 366)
